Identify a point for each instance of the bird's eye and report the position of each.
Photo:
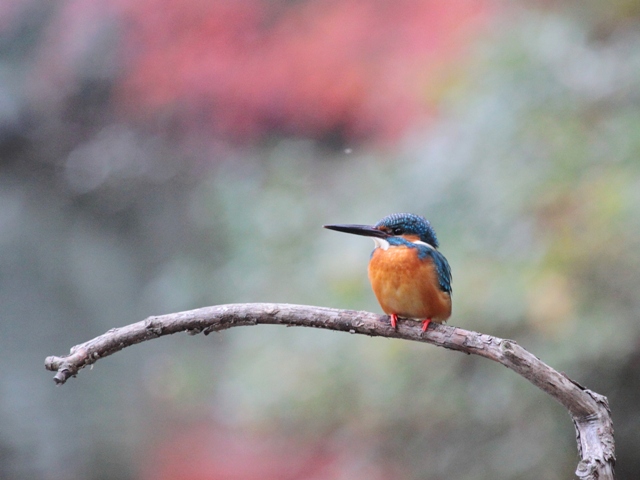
(397, 231)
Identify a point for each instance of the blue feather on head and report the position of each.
(409, 224)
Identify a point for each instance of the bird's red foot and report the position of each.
(394, 320)
(425, 324)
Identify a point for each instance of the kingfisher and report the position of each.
(409, 276)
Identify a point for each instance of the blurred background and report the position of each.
(163, 155)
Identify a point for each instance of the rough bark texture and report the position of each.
(589, 410)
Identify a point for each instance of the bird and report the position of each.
(409, 276)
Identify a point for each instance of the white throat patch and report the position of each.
(381, 243)
(384, 244)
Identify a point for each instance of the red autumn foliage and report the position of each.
(241, 69)
(206, 453)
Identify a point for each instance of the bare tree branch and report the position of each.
(589, 410)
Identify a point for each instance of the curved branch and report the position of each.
(589, 410)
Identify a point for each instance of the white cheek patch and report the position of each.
(381, 243)
(420, 242)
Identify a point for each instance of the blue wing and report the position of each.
(443, 269)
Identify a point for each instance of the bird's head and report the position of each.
(406, 225)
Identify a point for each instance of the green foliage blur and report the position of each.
(529, 171)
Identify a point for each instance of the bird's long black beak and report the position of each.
(364, 230)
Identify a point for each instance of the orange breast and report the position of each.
(406, 285)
